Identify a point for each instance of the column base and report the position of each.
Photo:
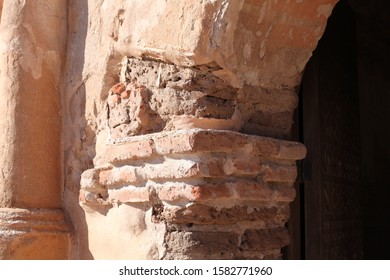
(40, 234)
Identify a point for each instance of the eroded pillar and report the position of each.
(191, 158)
(32, 52)
(174, 150)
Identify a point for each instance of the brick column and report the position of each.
(172, 150)
(32, 51)
(220, 194)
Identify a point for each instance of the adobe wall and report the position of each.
(170, 139)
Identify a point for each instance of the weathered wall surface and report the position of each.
(199, 64)
(259, 43)
(31, 66)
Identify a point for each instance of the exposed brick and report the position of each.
(217, 140)
(247, 166)
(201, 214)
(203, 245)
(126, 151)
(169, 169)
(193, 193)
(212, 140)
(264, 239)
(265, 146)
(278, 173)
(279, 149)
(172, 144)
(118, 176)
(213, 168)
(241, 189)
(193, 141)
(291, 150)
(129, 195)
(249, 190)
(221, 167)
(283, 193)
(252, 191)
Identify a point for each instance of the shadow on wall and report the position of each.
(78, 149)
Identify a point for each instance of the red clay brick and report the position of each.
(173, 143)
(283, 193)
(117, 176)
(194, 141)
(126, 151)
(265, 146)
(212, 167)
(129, 195)
(278, 173)
(241, 189)
(217, 140)
(247, 166)
(194, 193)
(252, 191)
(291, 150)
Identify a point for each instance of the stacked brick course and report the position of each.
(220, 194)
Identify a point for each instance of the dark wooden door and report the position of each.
(330, 122)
